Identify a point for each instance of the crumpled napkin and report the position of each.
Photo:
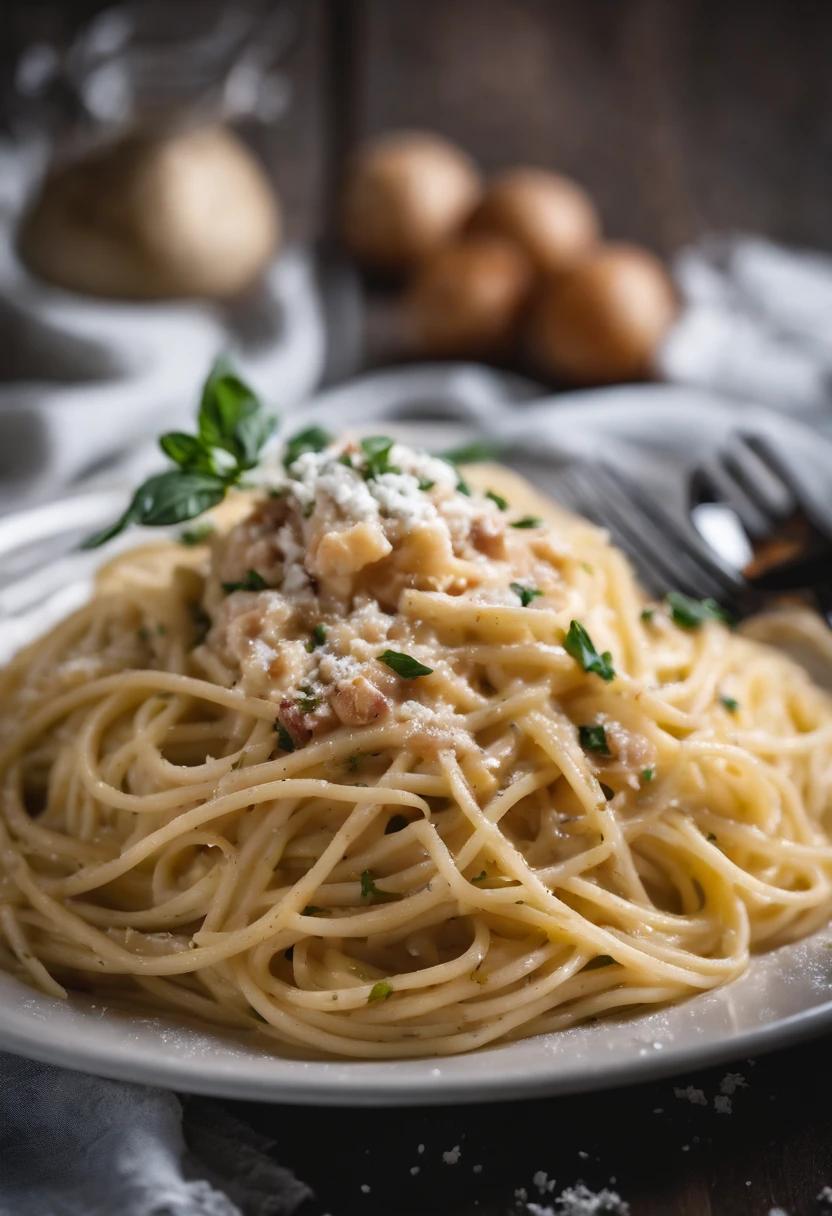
(756, 323)
(74, 1145)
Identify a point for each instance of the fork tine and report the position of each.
(779, 467)
(716, 480)
(682, 554)
(664, 556)
(766, 489)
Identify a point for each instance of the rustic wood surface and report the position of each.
(680, 116)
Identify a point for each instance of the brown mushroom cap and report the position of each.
(466, 299)
(191, 214)
(406, 193)
(601, 320)
(551, 217)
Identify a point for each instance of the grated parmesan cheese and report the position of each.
(722, 1104)
(452, 1156)
(696, 1097)
(581, 1201)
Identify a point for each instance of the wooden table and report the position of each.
(667, 1155)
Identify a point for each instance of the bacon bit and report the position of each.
(295, 722)
(489, 536)
(357, 702)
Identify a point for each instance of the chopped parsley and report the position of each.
(308, 705)
(426, 485)
(579, 645)
(380, 992)
(143, 634)
(647, 774)
(525, 594)
(314, 910)
(313, 439)
(600, 960)
(286, 740)
(404, 665)
(647, 615)
(730, 704)
(481, 877)
(197, 535)
(498, 499)
(594, 739)
(463, 487)
(252, 582)
(712, 836)
(376, 449)
(528, 521)
(318, 638)
(355, 761)
(689, 613)
(368, 886)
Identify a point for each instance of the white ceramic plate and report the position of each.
(784, 997)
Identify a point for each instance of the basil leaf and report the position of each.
(689, 613)
(528, 521)
(231, 417)
(380, 992)
(252, 582)
(578, 644)
(501, 502)
(167, 498)
(594, 739)
(377, 450)
(187, 451)
(471, 453)
(404, 665)
(526, 594)
(313, 439)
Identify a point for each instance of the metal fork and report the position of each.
(666, 554)
(791, 539)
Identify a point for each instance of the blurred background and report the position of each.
(597, 192)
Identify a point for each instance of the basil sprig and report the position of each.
(313, 439)
(232, 429)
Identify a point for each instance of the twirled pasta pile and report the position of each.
(396, 765)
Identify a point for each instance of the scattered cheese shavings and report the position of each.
(581, 1201)
(825, 1195)
(414, 1169)
(722, 1104)
(420, 1148)
(452, 1156)
(778, 1212)
(542, 1181)
(696, 1097)
(365, 1188)
(477, 1169)
(731, 1082)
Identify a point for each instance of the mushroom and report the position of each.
(601, 320)
(406, 193)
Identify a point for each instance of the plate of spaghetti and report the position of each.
(384, 781)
